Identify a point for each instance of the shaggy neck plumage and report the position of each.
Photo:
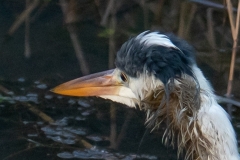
(179, 108)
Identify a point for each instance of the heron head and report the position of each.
(144, 63)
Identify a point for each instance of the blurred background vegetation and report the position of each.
(46, 42)
(52, 38)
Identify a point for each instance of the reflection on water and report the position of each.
(36, 124)
(102, 154)
(78, 128)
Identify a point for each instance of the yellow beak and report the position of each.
(102, 83)
(105, 84)
(97, 84)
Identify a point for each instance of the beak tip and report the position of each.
(55, 90)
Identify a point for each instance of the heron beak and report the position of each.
(99, 84)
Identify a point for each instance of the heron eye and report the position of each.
(123, 77)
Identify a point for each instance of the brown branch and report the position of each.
(39, 113)
(107, 12)
(85, 143)
(211, 35)
(78, 50)
(186, 19)
(74, 37)
(231, 17)
(113, 126)
(111, 57)
(238, 19)
(145, 13)
(234, 28)
(22, 17)
(16, 154)
(27, 51)
(124, 128)
(4, 90)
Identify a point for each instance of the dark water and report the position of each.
(37, 124)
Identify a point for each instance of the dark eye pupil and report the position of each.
(123, 77)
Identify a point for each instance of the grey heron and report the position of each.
(159, 74)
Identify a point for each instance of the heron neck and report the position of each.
(194, 126)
